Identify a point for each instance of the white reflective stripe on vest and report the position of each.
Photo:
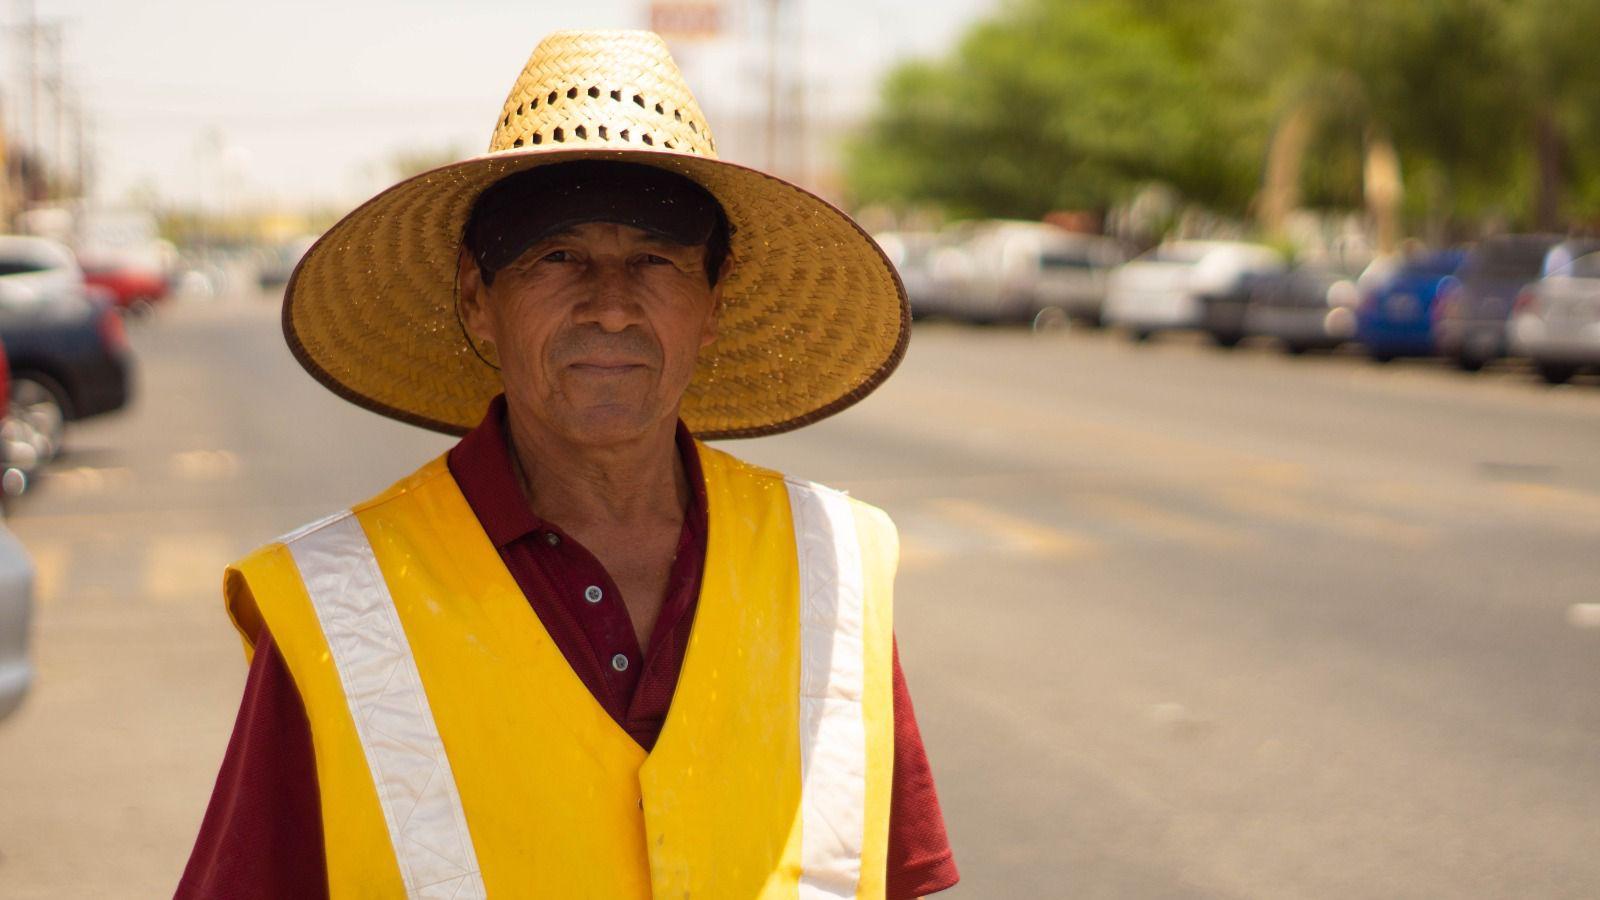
(416, 789)
(833, 738)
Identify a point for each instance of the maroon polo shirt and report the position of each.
(262, 833)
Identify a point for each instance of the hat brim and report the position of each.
(813, 315)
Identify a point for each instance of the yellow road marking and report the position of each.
(49, 569)
(1320, 514)
(1161, 522)
(185, 566)
(1581, 508)
(1019, 535)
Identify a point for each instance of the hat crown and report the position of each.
(602, 89)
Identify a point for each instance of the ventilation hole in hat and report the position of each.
(647, 139)
(533, 104)
(558, 136)
(693, 127)
(517, 142)
(660, 111)
(507, 122)
(623, 134)
(519, 112)
(537, 138)
(667, 144)
(581, 132)
(551, 98)
(594, 92)
(638, 100)
(572, 92)
(617, 96)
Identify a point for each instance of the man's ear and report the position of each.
(472, 297)
(709, 333)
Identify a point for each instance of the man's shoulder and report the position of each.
(719, 463)
(423, 477)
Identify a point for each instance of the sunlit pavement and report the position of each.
(1178, 622)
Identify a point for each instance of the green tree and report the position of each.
(1067, 105)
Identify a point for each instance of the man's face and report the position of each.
(597, 328)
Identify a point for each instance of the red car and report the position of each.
(129, 287)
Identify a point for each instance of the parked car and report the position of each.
(1010, 271)
(1170, 287)
(1398, 302)
(122, 252)
(280, 260)
(1475, 308)
(1556, 321)
(1310, 307)
(129, 286)
(1020, 270)
(16, 614)
(911, 253)
(66, 344)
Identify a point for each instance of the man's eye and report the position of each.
(556, 256)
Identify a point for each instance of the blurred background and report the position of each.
(1246, 456)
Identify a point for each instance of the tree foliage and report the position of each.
(1492, 105)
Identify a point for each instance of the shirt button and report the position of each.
(593, 594)
(551, 538)
(619, 662)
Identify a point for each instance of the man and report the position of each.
(583, 655)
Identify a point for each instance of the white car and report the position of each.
(913, 254)
(1166, 288)
(37, 270)
(1021, 270)
(16, 613)
(1556, 320)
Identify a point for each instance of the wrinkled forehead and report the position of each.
(523, 209)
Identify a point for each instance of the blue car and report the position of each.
(1396, 314)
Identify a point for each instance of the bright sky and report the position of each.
(298, 101)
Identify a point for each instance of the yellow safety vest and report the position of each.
(458, 755)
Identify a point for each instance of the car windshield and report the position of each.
(1065, 259)
(1585, 266)
(1509, 260)
(1434, 264)
(1188, 254)
(19, 267)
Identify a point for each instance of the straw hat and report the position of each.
(813, 316)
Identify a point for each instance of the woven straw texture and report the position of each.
(813, 315)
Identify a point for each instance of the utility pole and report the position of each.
(774, 11)
(39, 49)
(51, 80)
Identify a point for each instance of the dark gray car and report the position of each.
(1474, 311)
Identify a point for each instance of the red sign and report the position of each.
(686, 20)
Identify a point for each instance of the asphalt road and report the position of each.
(1178, 622)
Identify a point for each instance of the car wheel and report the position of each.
(1226, 340)
(1050, 318)
(1139, 335)
(1556, 373)
(1381, 358)
(1468, 362)
(1295, 349)
(33, 430)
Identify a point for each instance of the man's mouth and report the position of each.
(597, 367)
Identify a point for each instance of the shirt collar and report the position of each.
(481, 465)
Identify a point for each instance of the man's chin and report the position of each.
(604, 424)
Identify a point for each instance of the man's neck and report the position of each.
(574, 485)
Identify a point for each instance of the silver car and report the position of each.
(1019, 271)
(1556, 320)
(16, 613)
(1168, 288)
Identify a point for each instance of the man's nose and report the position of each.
(611, 301)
